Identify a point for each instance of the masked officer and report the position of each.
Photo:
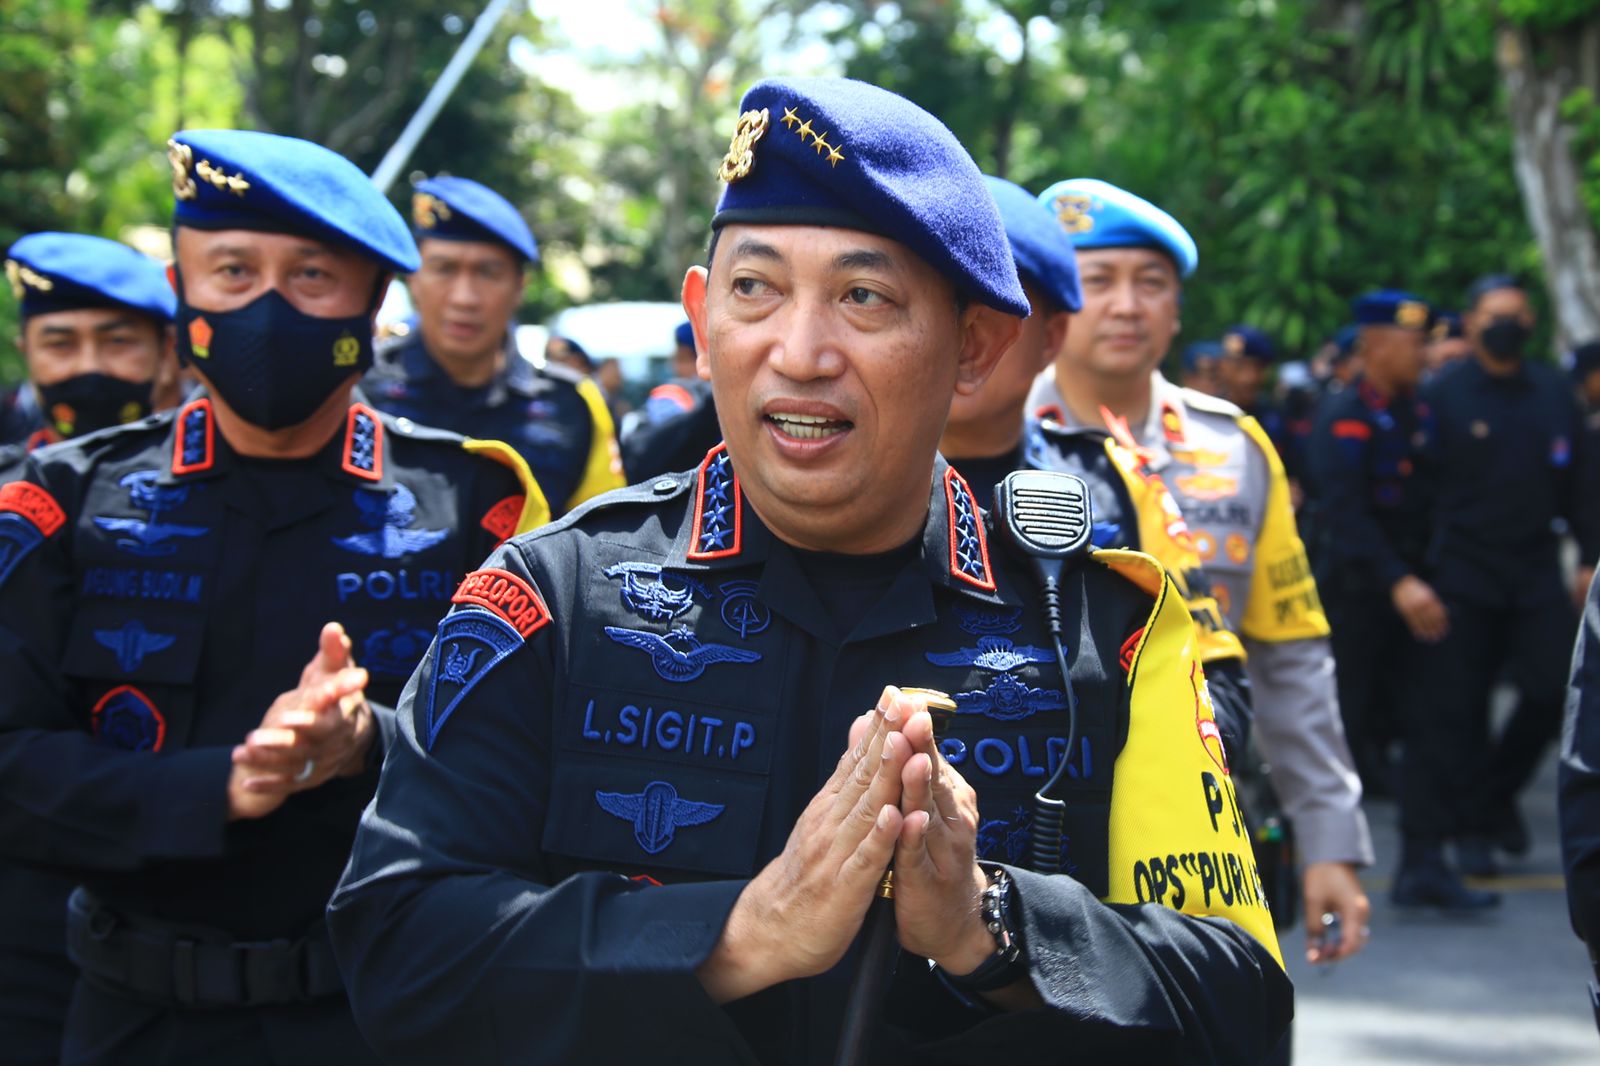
(1505, 461)
(987, 437)
(96, 337)
(1234, 499)
(163, 736)
(1373, 571)
(617, 822)
(458, 367)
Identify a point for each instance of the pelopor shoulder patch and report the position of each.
(506, 595)
(501, 519)
(470, 644)
(28, 515)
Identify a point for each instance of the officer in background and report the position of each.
(96, 319)
(678, 424)
(1198, 366)
(1505, 465)
(1374, 575)
(459, 368)
(1234, 500)
(548, 876)
(1447, 343)
(163, 736)
(987, 437)
(97, 338)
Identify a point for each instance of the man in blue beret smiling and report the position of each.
(96, 336)
(617, 824)
(163, 736)
(459, 368)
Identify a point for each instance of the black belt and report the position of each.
(158, 962)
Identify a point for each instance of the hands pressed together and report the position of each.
(317, 731)
(892, 797)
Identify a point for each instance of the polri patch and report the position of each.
(470, 644)
(506, 595)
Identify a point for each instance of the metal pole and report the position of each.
(400, 153)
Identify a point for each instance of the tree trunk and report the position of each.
(1539, 73)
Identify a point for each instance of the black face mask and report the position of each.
(273, 364)
(1504, 339)
(93, 401)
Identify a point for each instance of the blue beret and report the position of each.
(1045, 258)
(836, 152)
(68, 271)
(1585, 359)
(1391, 307)
(1445, 325)
(1200, 350)
(460, 209)
(239, 179)
(1096, 214)
(684, 334)
(1249, 342)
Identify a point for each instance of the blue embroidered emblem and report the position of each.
(1011, 840)
(471, 643)
(969, 556)
(395, 651)
(1007, 700)
(131, 642)
(125, 718)
(741, 611)
(680, 655)
(149, 537)
(655, 600)
(992, 653)
(388, 519)
(656, 813)
(716, 506)
(982, 623)
(18, 537)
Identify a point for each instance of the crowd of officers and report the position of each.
(231, 520)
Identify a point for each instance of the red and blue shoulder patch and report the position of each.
(969, 545)
(506, 596)
(501, 519)
(503, 610)
(718, 521)
(28, 515)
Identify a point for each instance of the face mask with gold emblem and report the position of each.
(269, 361)
(88, 402)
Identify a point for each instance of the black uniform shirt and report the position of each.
(157, 592)
(1503, 461)
(620, 723)
(555, 418)
(1374, 504)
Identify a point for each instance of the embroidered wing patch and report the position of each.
(656, 813)
(470, 644)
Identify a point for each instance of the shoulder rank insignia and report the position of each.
(388, 519)
(131, 642)
(363, 443)
(656, 813)
(680, 655)
(125, 718)
(717, 520)
(194, 447)
(993, 653)
(969, 546)
(149, 537)
(1008, 700)
(470, 644)
(655, 600)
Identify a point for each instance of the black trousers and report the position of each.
(108, 1029)
(1469, 778)
(1376, 662)
(36, 977)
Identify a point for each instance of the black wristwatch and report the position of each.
(1006, 965)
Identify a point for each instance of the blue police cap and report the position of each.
(1585, 360)
(1200, 350)
(1391, 307)
(1045, 258)
(240, 179)
(836, 152)
(1249, 342)
(1445, 326)
(1097, 214)
(684, 335)
(68, 271)
(460, 209)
